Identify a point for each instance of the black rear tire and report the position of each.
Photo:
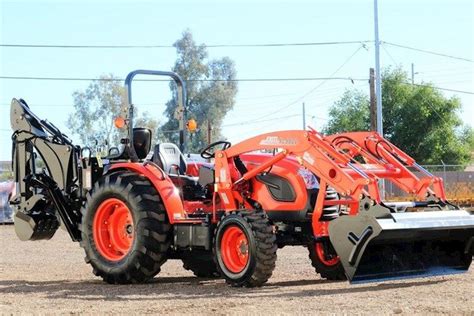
(261, 248)
(151, 229)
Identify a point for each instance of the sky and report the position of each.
(444, 27)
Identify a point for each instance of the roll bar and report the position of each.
(180, 112)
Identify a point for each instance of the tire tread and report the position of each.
(151, 227)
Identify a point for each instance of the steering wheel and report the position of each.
(206, 153)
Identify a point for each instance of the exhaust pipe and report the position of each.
(376, 246)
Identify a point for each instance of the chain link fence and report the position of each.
(458, 183)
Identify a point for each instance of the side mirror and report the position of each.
(141, 141)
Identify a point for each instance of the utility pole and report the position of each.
(378, 87)
(209, 132)
(304, 117)
(373, 105)
(412, 73)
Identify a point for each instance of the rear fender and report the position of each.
(164, 186)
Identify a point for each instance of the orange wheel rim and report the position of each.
(234, 249)
(113, 230)
(322, 257)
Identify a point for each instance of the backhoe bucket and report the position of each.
(403, 245)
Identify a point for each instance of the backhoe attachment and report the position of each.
(47, 173)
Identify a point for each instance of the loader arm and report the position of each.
(332, 166)
(382, 154)
(311, 151)
(336, 160)
(374, 241)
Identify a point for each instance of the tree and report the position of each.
(210, 89)
(95, 110)
(350, 113)
(418, 119)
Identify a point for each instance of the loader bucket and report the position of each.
(403, 245)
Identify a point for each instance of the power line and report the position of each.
(230, 46)
(435, 68)
(318, 86)
(452, 82)
(267, 96)
(260, 127)
(172, 46)
(322, 94)
(389, 55)
(238, 103)
(7, 103)
(190, 80)
(71, 105)
(251, 131)
(447, 72)
(429, 52)
(439, 88)
(252, 104)
(433, 108)
(260, 121)
(425, 85)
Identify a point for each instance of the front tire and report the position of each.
(125, 231)
(328, 266)
(245, 248)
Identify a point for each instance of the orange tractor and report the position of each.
(226, 217)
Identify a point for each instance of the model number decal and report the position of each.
(275, 140)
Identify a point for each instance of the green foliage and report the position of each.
(418, 119)
(467, 136)
(6, 176)
(95, 110)
(208, 101)
(145, 120)
(350, 113)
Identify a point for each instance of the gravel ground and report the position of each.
(46, 277)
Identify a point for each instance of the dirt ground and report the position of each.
(47, 277)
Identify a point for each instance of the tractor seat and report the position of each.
(169, 158)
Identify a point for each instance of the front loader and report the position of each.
(226, 217)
